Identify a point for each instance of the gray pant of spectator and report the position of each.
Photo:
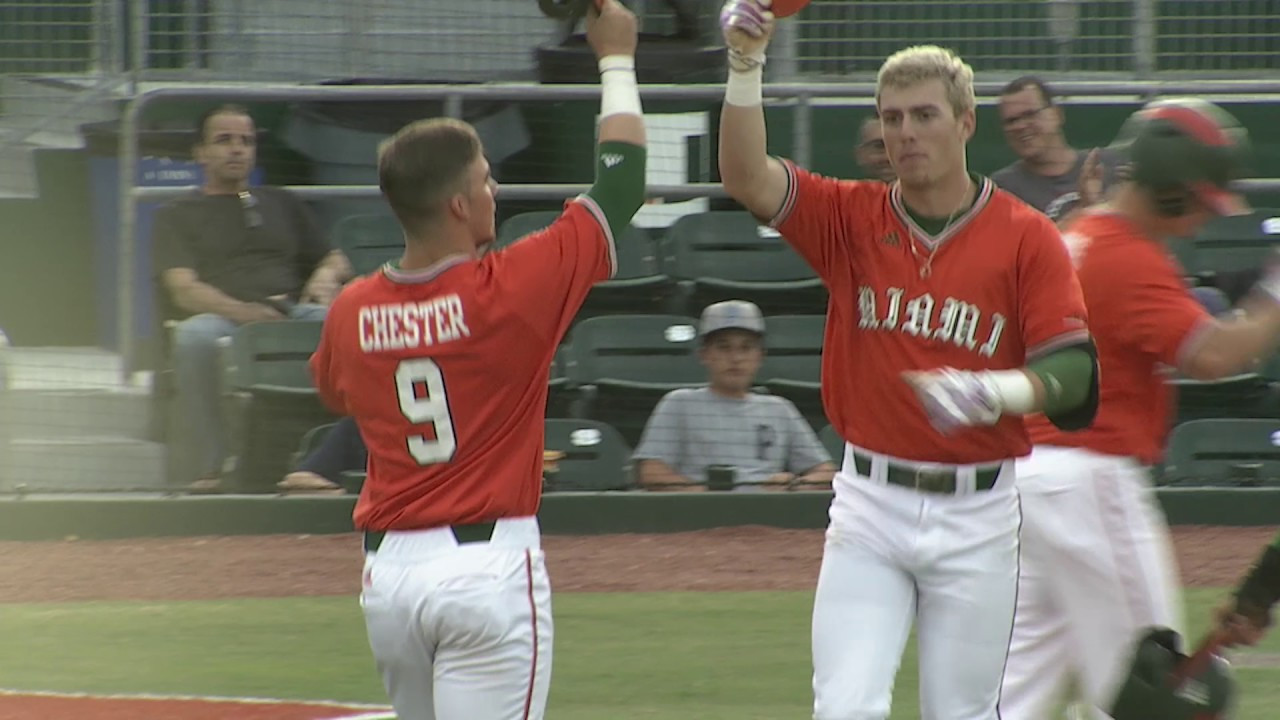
(195, 360)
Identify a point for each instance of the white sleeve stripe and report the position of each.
(1057, 342)
(594, 208)
(789, 199)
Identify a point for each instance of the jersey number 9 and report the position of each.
(431, 407)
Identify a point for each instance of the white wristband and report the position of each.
(1017, 394)
(619, 94)
(745, 88)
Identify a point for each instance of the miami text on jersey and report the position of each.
(956, 321)
(405, 326)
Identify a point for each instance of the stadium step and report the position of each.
(122, 413)
(84, 463)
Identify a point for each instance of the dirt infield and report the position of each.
(744, 558)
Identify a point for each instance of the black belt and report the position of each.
(934, 481)
(475, 533)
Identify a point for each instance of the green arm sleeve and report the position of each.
(1261, 587)
(1070, 378)
(619, 186)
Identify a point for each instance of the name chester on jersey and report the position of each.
(957, 320)
(407, 326)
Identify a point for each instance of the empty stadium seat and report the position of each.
(635, 348)
(560, 392)
(639, 286)
(596, 458)
(794, 344)
(1240, 396)
(369, 240)
(1225, 451)
(725, 254)
(278, 405)
(805, 395)
(517, 226)
(624, 364)
(1231, 244)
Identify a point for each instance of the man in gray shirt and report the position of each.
(1047, 174)
(763, 437)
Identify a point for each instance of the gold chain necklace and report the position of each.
(927, 269)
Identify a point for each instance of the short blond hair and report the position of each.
(921, 63)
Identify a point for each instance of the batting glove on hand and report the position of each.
(747, 27)
(955, 399)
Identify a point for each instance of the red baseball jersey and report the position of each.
(1144, 320)
(446, 369)
(995, 288)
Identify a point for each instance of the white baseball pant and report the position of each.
(1097, 567)
(461, 632)
(893, 555)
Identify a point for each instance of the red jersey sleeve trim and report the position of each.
(789, 200)
(1194, 338)
(1075, 337)
(590, 204)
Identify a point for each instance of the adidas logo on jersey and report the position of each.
(610, 159)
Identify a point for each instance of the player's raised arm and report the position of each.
(750, 176)
(620, 161)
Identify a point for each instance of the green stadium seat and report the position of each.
(805, 395)
(794, 344)
(277, 402)
(635, 348)
(595, 456)
(727, 254)
(369, 240)
(517, 226)
(622, 365)
(1239, 396)
(1224, 451)
(310, 442)
(639, 285)
(834, 444)
(1231, 244)
(560, 392)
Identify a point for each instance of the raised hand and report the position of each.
(611, 29)
(747, 27)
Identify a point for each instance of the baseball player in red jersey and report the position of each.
(443, 359)
(953, 311)
(1097, 562)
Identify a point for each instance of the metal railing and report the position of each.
(455, 99)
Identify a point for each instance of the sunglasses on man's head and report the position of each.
(249, 204)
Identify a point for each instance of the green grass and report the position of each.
(652, 656)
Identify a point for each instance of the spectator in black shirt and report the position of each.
(228, 255)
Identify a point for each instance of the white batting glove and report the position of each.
(747, 27)
(955, 399)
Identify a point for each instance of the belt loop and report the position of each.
(966, 480)
(879, 469)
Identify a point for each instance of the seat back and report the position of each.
(595, 456)
(731, 245)
(834, 444)
(806, 396)
(640, 348)
(638, 256)
(794, 344)
(1228, 244)
(1225, 451)
(273, 355)
(525, 223)
(369, 240)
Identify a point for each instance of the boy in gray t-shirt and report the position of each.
(763, 437)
